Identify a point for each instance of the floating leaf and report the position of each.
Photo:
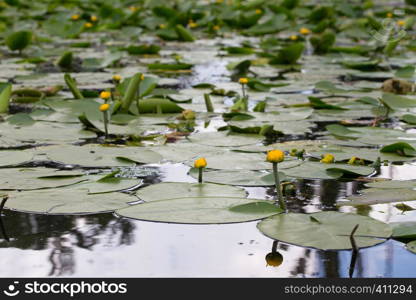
(37, 178)
(100, 156)
(411, 246)
(404, 230)
(319, 170)
(378, 196)
(170, 190)
(198, 210)
(224, 139)
(66, 201)
(330, 231)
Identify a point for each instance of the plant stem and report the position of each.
(106, 124)
(354, 251)
(278, 189)
(3, 202)
(200, 170)
(208, 103)
(244, 90)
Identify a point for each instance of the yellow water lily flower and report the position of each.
(75, 17)
(116, 78)
(275, 156)
(104, 107)
(216, 27)
(200, 163)
(162, 26)
(105, 95)
(133, 8)
(401, 23)
(142, 77)
(94, 18)
(353, 160)
(274, 259)
(188, 114)
(243, 80)
(327, 159)
(293, 37)
(258, 11)
(304, 31)
(389, 15)
(88, 25)
(192, 24)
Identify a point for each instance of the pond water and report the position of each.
(104, 244)
(297, 86)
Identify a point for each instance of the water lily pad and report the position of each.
(392, 184)
(240, 177)
(198, 210)
(319, 170)
(37, 178)
(233, 160)
(8, 158)
(66, 201)
(411, 246)
(377, 196)
(100, 156)
(404, 230)
(224, 139)
(170, 190)
(326, 230)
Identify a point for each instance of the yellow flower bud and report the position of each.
(275, 156)
(216, 27)
(104, 107)
(133, 8)
(258, 11)
(142, 77)
(327, 159)
(94, 19)
(389, 15)
(243, 80)
(105, 95)
(188, 114)
(117, 78)
(192, 24)
(274, 259)
(75, 17)
(293, 37)
(200, 163)
(304, 31)
(88, 25)
(401, 23)
(162, 26)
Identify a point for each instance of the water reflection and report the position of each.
(61, 234)
(104, 245)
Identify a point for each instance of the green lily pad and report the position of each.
(199, 210)
(66, 201)
(37, 178)
(240, 177)
(392, 184)
(378, 196)
(326, 230)
(170, 190)
(100, 156)
(319, 170)
(404, 230)
(8, 158)
(233, 160)
(224, 139)
(411, 246)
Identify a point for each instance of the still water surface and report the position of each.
(107, 246)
